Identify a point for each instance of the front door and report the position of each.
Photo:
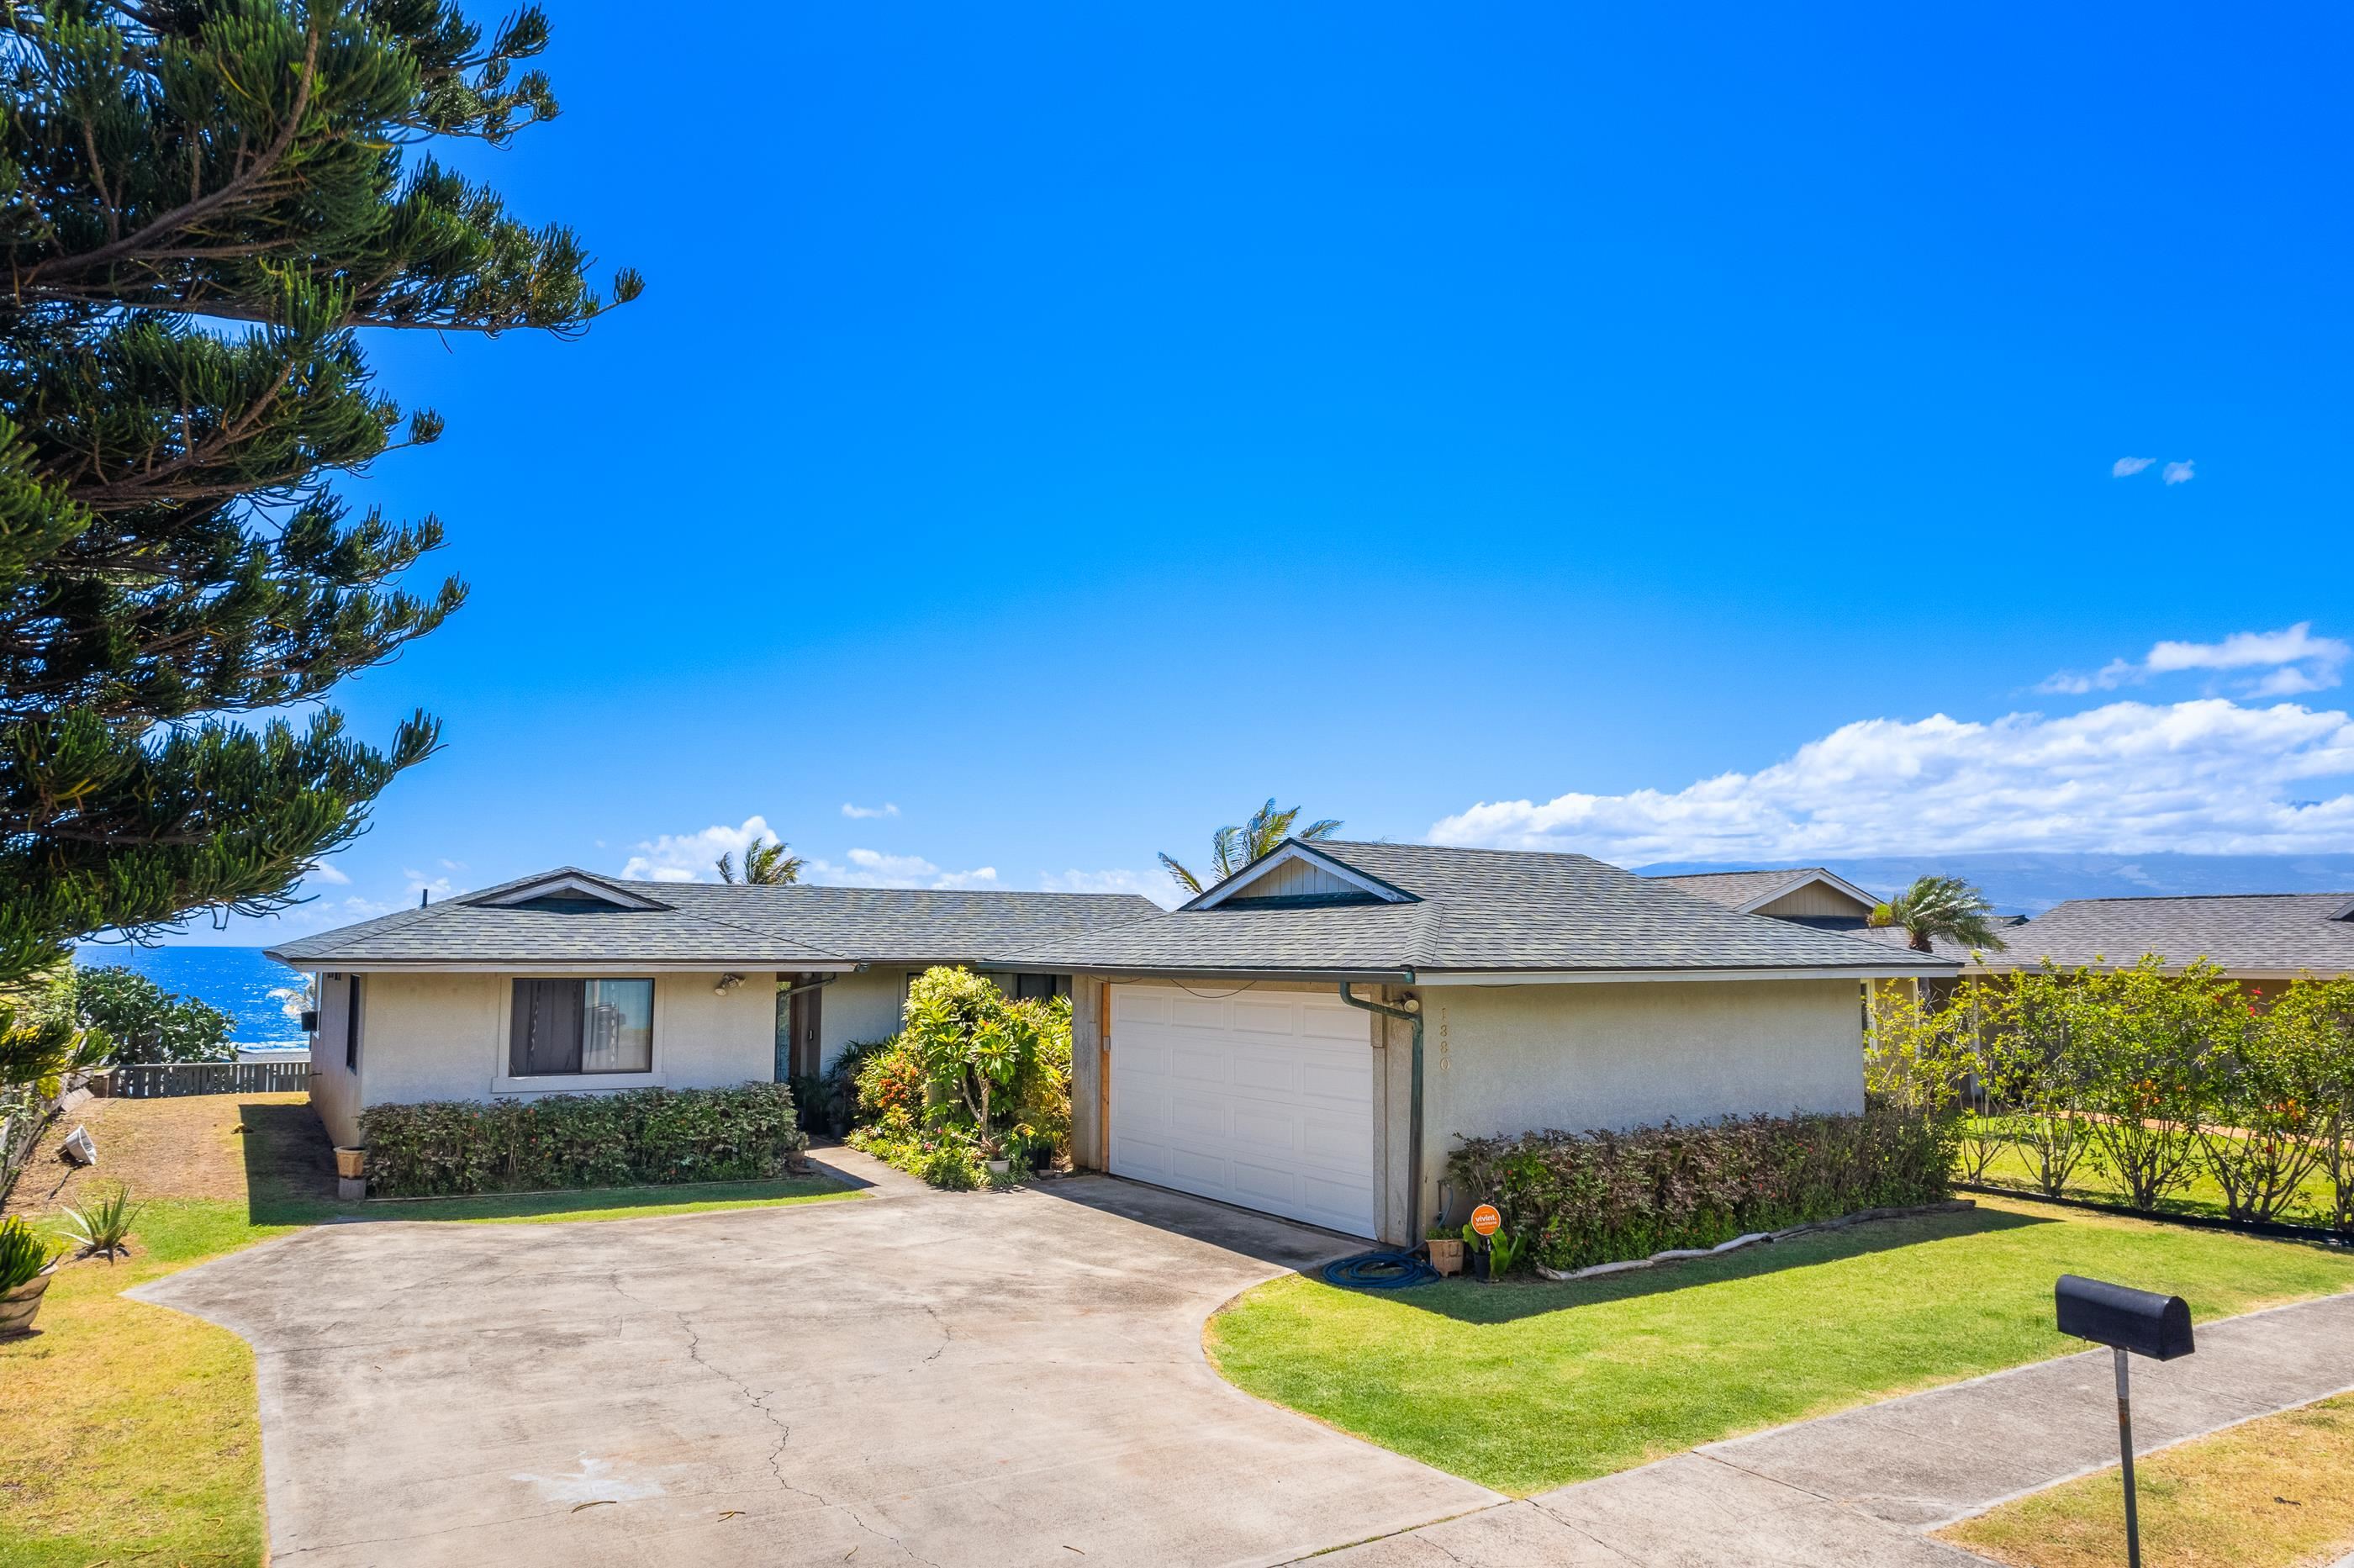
(803, 1011)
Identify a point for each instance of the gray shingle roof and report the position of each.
(2255, 933)
(1734, 888)
(1477, 910)
(755, 927)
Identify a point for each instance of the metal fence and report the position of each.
(164, 1079)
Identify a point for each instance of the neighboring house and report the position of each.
(1810, 895)
(1805, 895)
(1237, 1048)
(568, 981)
(1223, 1048)
(2252, 936)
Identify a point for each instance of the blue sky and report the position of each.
(1068, 426)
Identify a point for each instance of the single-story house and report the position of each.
(2254, 937)
(568, 982)
(1308, 1038)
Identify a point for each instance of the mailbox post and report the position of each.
(2140, 1322)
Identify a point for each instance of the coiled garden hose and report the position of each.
(1379, 1271)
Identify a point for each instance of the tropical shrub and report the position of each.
(628, 1138)
(1603, 1197)
(2149, 1053)
(148, 1023)
(891, 1089)
(951, 1164)
(973, 1074)
(833, 1094)
(978, 1047)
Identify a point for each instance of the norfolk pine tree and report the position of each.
(202, 203)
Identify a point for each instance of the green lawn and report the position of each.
(1526, 1386)
(2201, 1196)
(128, 1433)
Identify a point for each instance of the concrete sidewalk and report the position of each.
(1864, 1487)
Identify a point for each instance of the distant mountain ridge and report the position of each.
(2029, 883)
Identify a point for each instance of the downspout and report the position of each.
(1412, 1014)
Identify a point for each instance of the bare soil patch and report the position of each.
(199, 1146)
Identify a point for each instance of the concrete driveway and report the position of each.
(910, 1377)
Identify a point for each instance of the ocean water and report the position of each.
(263, 998)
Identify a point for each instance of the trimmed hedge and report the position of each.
(633, 1138)
(1605, 1197)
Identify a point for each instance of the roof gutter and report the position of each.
(1940, 968)
(1412, 1014)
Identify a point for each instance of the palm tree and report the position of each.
(1937, 907)
(765, 864)
(1233, 848)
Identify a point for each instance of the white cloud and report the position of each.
(694, 857)
(319, 870)
(2299, 662)
(2126, 468)
(1152, 885)
(855, 813)
(872, 868)
(2179, 472)
(2209, 777)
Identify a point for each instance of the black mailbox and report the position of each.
(2141, 1321)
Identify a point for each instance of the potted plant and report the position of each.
(27, 1264)
(1446, 1250)
(1491, 1257)
(997, 1154)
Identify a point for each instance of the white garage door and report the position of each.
(1264, 1099)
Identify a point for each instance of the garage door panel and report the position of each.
(1269, 1072)
(1336, 1023)
(1193, 1012)
(1262, 1101)
(1259, 1133)
(1334, 1082)
(1329, 1194)
(1195, 1116)
(1199, 1061)
(1136, 1004)
(1277, 1018)
(1335, 1145)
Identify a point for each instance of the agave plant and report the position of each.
(24, 1253)
(102, 1226)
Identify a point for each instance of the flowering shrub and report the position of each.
(974, 1074)
(891, 1089)
(1603, 1197)
(635, 1137)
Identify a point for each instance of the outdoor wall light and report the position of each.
(726, 983)
(2125, 1320)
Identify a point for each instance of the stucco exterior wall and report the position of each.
(444, 1037)
(334, 1089)
(859, 1007)
(1513, 1059)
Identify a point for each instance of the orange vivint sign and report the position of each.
(1485, 1221)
